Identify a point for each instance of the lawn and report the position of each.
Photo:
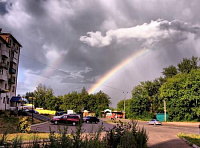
(191, 138)
(26, 136)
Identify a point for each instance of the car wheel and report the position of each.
(56, 122)
(95, 122)
(74, 123)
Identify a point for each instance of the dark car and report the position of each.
(59, 113)
(59, 119)
(90, 119)
(33, 111)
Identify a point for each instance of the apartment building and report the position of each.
(9, 61)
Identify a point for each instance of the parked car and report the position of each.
(59, 119)
(59, 113)
(154, 122)
(90, 119)
(33, 111)
(73, 119)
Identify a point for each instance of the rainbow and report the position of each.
(47, 72)
(116, 69)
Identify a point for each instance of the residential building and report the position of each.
(9, 61)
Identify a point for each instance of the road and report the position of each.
(164, 136)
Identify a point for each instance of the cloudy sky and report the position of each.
(70, 44)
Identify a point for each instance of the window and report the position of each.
(3, 60)
(8, 100)
(13, 89)
(5, 86)
(4, 99)
(1, 71)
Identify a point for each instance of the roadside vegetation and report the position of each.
(121, 136)
(14, 123)
(180, 87)
(191, 138)
(73, 101)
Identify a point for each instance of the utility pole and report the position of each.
(125, 103)
(165, 110)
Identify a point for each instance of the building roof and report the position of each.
(4, 41)
(15, 99)
(12, 37)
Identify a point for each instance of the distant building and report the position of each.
(9, 61)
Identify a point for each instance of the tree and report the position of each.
(188, 64)
(182, 95)
(43, 96)
(170, 71)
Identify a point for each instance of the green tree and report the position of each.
(182, 95)
(43, 96)
(188, 64)
(170, 71)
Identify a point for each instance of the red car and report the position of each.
(69, 119)
(59, 119)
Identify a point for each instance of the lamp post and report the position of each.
(125, 103)
(32, 106)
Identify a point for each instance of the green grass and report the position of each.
(191, 138)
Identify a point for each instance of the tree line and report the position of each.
(72, 101)
(180, 87)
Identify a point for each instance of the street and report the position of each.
(160, 136)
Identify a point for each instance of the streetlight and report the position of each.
(125, 103)
(32, 106)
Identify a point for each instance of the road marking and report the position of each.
(39, 124)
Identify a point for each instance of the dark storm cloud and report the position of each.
(3, 8)
(50, 31)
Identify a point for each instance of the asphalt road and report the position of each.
(164, 136)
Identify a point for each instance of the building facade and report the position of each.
(9, 61)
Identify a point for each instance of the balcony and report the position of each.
(4, 65)
(11, 80)
(12, 71)
(14, 60)
(3, 77)
(5, 53)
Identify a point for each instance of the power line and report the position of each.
(68, 73)
(44, 64)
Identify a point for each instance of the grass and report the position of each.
(191, 138)
(27, 136)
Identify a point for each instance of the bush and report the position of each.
(24, 125)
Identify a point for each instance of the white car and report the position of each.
(154, 122)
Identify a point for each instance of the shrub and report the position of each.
(24, 125)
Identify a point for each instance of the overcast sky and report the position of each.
(70, 44)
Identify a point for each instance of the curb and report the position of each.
(193, 145)
(39, 123)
